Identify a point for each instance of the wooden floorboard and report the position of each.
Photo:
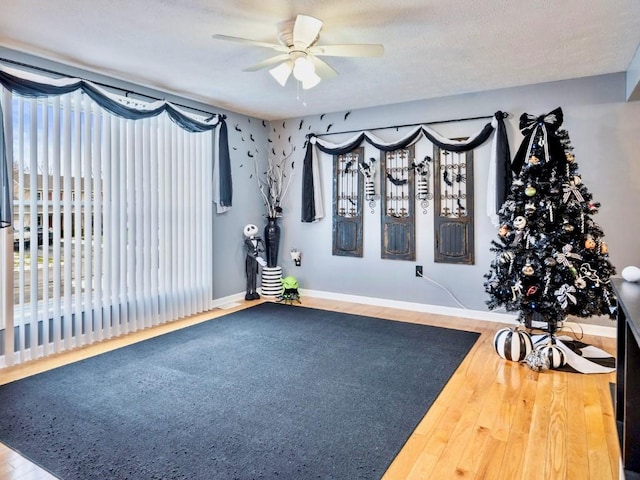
(493, 420)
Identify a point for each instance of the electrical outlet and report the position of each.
(418, 270)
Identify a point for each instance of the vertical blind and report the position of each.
(112, 223)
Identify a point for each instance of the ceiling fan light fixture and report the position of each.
(282, 72)
(311, 81)
(303, 69)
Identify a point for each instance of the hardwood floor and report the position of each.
(493, 420)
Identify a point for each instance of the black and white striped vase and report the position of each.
(271, 281)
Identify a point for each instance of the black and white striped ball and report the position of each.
(554, 354)
(512, 344)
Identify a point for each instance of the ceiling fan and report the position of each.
(299, 52)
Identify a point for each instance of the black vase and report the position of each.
(272, 241)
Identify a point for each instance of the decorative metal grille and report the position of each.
(397, 200)
(348, 187)
(453, 219)
(398, 205)
(453, 187)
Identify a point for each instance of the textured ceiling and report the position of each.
(433, 48)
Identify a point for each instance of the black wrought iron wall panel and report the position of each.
(453, 207)
(397, 192)
(348, 197)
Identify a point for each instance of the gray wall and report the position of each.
(605, 133)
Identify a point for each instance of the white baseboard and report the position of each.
(225, 302)
(413, 306)
(508, 318)
(588, 329)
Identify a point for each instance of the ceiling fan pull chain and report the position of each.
(300, 95)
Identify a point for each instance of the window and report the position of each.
(121, 240)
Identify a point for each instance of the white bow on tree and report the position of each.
(564, 294)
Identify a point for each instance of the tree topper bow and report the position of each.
(548, 124)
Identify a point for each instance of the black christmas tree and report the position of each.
(550, 257)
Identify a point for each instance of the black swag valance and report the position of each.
(32, 86)
(499, 171)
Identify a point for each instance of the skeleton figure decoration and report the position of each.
(254, 247)
(422, 182)
(368, 169)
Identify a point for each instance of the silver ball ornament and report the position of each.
(536, 361)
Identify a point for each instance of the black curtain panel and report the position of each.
(5, 182)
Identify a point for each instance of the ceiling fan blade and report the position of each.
(323, 69)
(267, 62)
(352, 50)
(275, 46)
(306, 30)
